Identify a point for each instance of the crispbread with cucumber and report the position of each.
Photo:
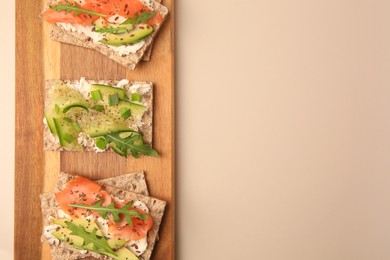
(123, 30)
(99, 116)
(83, 218)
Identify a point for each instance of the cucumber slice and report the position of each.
(100, 124)
(67, 98)
(49, 115)
(107, 90)
(116, 112)
(74, 105)
(67, 134)
(63, 99)
(50, 124)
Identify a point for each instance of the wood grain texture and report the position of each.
(51, 70)
(28, 133)
(39, 58)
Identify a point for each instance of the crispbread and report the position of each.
(156, 209)
(145, 128)
(148, 51)
(134, 182)
(131, 60)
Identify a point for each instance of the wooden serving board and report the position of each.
(39, 58)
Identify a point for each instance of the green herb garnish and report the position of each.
(142, 18)
(136, 97)
(113, 99)
(105, 211)
(76, 9)
(99, 244)
(57, 109)
(125, 113)
(99, 108)
(132, 143)
(96, 95)
(101, 143)
(76, 127)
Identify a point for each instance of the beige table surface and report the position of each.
(283, 125)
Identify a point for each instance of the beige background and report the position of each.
(7, 126)
(283, 124)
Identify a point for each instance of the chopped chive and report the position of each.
(96, 95)
(113, 99)
(101, 143)
(76, 127)
(99, 108)
(67, 119)
(57, 109)
(68, 138)
(136, 97)
(125, 113)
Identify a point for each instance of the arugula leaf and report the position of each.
(76, 9)
(110, 209)
(99, 244)
(132, 144)
(142, 18)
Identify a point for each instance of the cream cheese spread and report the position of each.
(96, 37)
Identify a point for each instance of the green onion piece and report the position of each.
(67, 119)
(125, 113)
(57, 109)
(136, 97)
(99, 108)
(68, 138)
(113, 99)
(96, 94)
(101, 143)
(76, 127)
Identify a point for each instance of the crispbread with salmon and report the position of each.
(156, 207)
(130, 60)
